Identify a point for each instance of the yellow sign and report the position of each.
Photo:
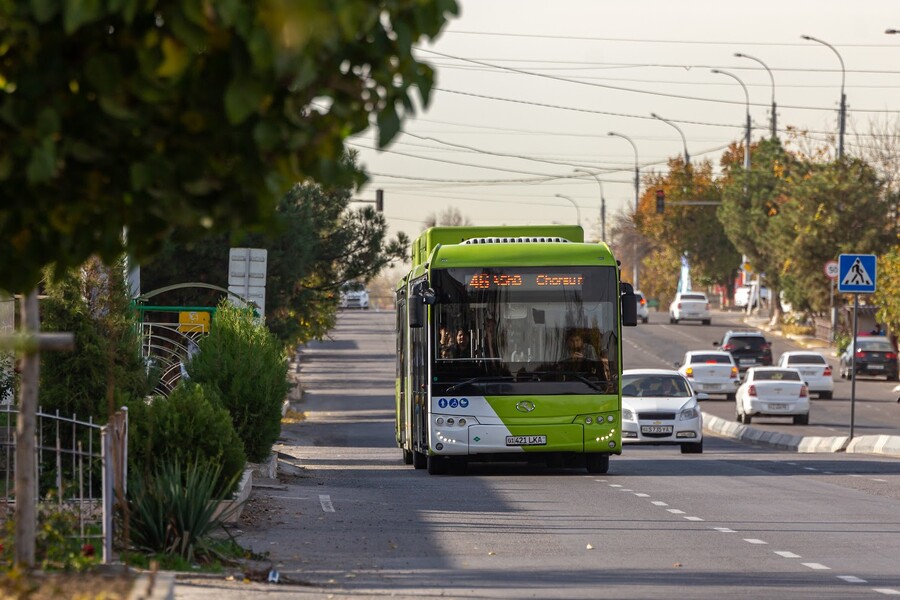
(193, 322)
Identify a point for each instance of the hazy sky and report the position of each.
(527, 91)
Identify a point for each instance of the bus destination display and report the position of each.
(526, 281)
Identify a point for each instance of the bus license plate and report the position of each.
(526, 440)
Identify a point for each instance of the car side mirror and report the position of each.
(677, 364)
(715, 343)
(627, 305)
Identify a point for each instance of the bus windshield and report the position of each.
(525, 330)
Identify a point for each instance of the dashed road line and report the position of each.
(325, 501)
(880, 480)
(816, 566)
(625, 490)
(887, 591)
(755, 541)
(658, 503)
(693, 518)
(614, 485)
(724, 530)
(640, 495)
(675, 511)
(851, 579)
(786, 554)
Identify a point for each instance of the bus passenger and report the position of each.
(461, 348)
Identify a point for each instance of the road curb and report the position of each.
(886, 445)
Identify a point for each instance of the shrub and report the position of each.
(188, 426)
(246, 365)
(172, 510)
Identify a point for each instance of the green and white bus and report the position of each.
(509, 348)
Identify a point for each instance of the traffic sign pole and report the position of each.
(853, 365)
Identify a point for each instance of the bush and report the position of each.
(188, 426)
(246, 365)
(173, 510)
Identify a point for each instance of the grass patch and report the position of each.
(293, 416)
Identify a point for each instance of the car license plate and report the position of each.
(747, 361)
(712, 386)
(777, 406)
(656, 429)
(876, 367)
(526, 440)
(809, 373)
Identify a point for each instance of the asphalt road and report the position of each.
(737, 521)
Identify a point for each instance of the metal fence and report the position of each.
(166, 348)
(80, 468)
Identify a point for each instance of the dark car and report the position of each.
(748, 348)
(875, 355)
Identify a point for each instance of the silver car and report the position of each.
(711, 371)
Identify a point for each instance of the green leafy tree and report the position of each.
(187, 117)
(319, 245)
(245, 364)
(887, 295)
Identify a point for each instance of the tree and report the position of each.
(887, 295)
(320, 244)
(452, 217)
(186, 117)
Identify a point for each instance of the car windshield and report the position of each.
(806, 359)
(874, 345)
(723, 359)
(776, 376)
(746, 342)
(666, 386)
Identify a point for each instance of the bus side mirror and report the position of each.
(628, 305)
(418, 300)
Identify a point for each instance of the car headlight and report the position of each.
(687, 414)
(627, 414)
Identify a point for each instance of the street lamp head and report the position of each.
(891, 31)
(715, 71)
(738, 55)
(654, 115)
(806, 37)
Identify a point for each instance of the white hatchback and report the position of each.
(659, 407)
(710, 371)
(814, 369)
(643, 311)
(772, 391)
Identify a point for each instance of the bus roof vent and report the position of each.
(517, 240)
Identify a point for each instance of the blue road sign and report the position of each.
(856, 273)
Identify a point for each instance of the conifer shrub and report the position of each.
(190, 426)
(246, 364)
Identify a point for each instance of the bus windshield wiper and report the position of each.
(603, 389)
(479, 379)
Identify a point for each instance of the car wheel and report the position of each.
(671, 320)
(596, 463)
(675, 321)
(707, 321)
(801, 419)
(407, 457)
(420, 461)
(730, 397)
(692, 448)
(894, 377)
(825, 395)
(437, 465)
(645, 320)
(746, 419)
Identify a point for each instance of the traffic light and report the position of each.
(379, 200)
(660, 201)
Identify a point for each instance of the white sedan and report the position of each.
(772, 391)
(660, 408)
(814, 369)
(710, 371)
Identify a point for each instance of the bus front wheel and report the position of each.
(419, 460)
(407, 457)
(437, 465)
(597, 463)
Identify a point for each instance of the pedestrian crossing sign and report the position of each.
(856, 273)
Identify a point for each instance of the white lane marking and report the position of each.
(615, 485)
(325, 501)
(291, 497)
(851, 579)
(855, 475)
(828, 472)
(755, 541)
(600, 480)
(675, 511)
(887, 591)
(792, 463)
(693, 518)
(659, 503)
(786, 554)
(625, 490)
(724, 530)
(816, 566)
(810, 469)
(881, 480)
(640, 495)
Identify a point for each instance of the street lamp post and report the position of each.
(602, 203)
(687, 157)
(843, 112)
(577, 210)
(747, 131)
(637, 196)
(774, 120)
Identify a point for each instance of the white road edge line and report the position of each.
(325, 501)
